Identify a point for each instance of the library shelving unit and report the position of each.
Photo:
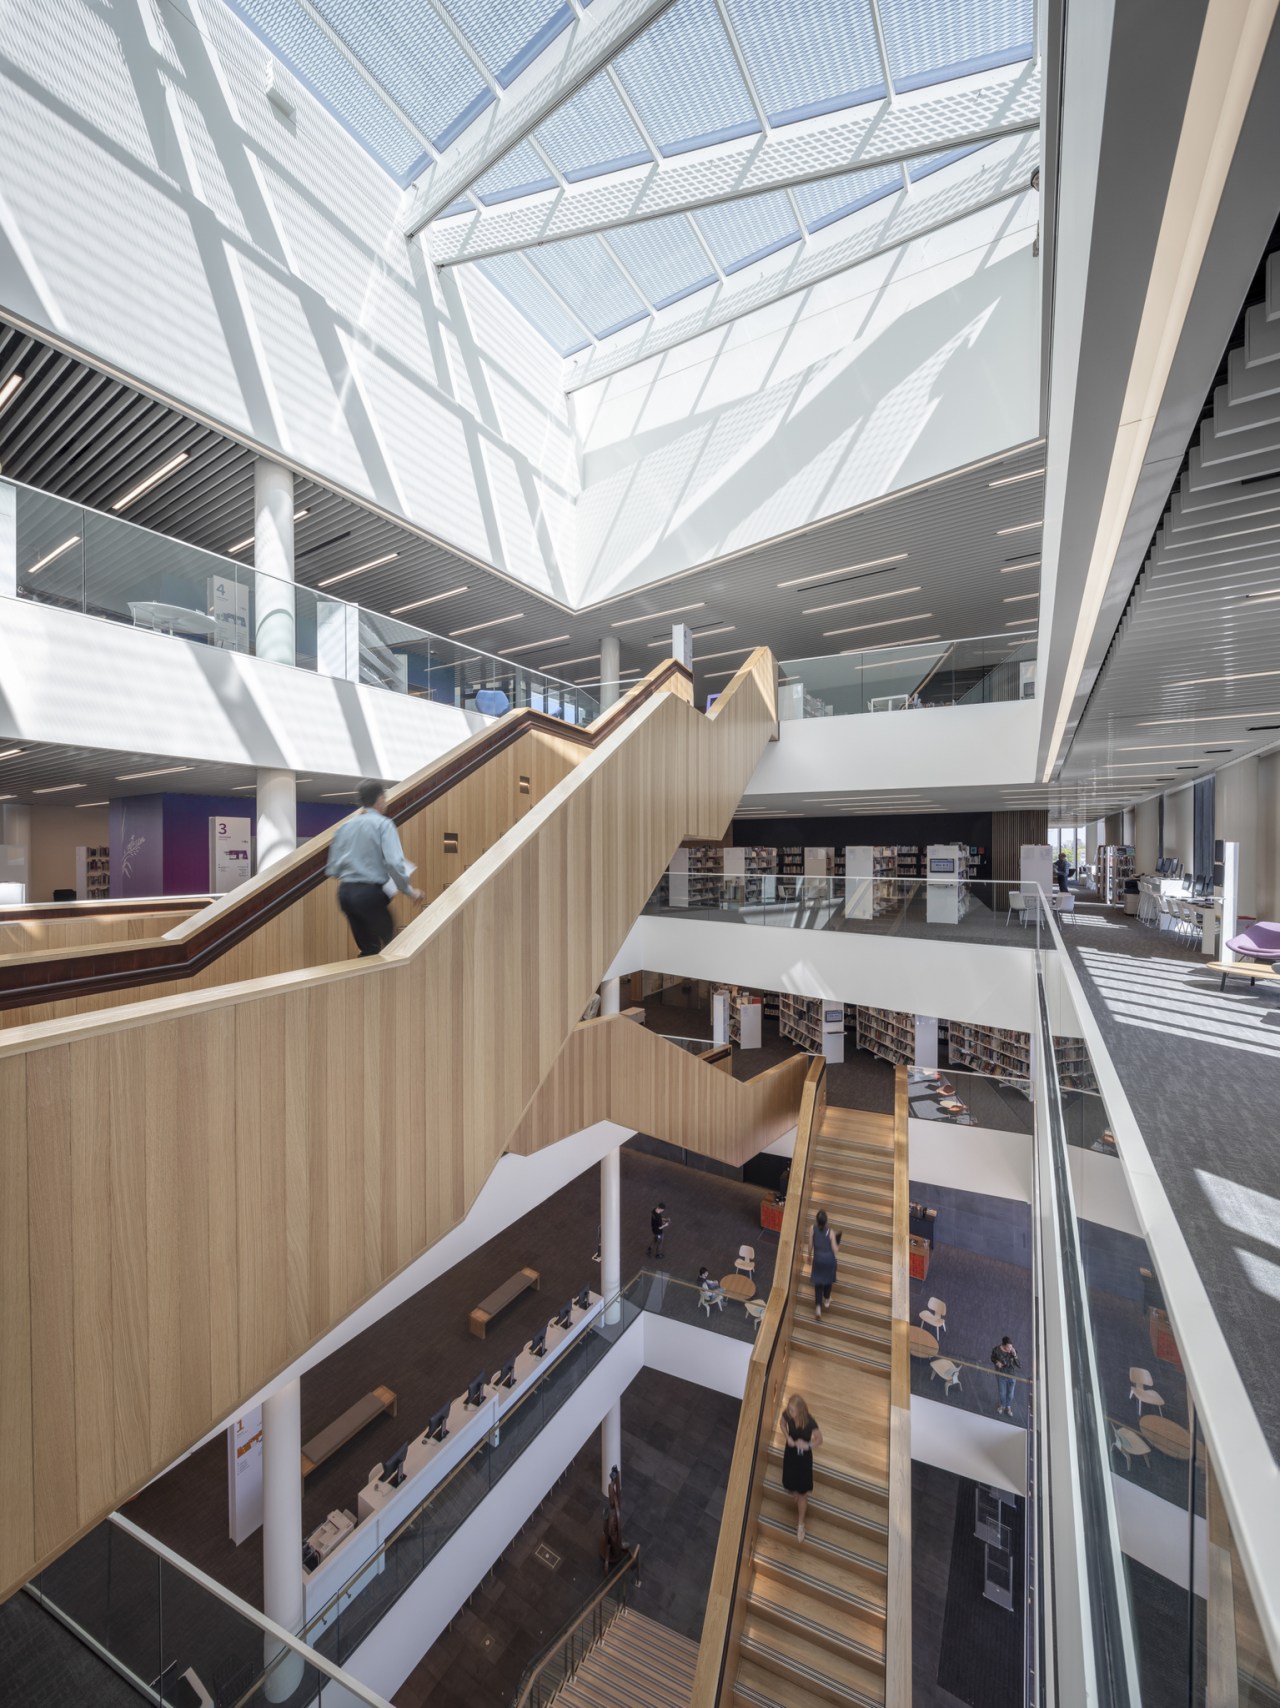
(813, 1023)
(792, 862)
(706, 875)
(739, 998)
(993, 1050)
(1075, 1070)
(887, 1033)
(93, 873)
(1115, 864)
(950, 868)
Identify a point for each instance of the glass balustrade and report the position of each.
(913, 675)
(84, 560)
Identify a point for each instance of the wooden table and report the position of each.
(737, 1286)
(1166, 1437)
(923, 1344)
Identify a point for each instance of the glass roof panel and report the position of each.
(684, 82)
(525, 291)
(664, 258)
(592, 133)
(928, 42)
(309, 54)
(824, 203)
(744, 231)
(507, 35)
(586, 276)
(808, 56)
(928, 163)
(519, 173)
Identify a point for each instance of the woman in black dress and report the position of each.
(801, 1433)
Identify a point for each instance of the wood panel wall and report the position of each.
(194, 1189)
(1010, 832)
(897, 1691)
(37, 934)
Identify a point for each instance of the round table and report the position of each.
(1166, 1437)
(923, 1345)
(737, 1286)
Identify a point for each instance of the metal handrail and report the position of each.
(579, 1635)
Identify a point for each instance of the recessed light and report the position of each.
(1017, 598)
(1265, 593)
(432, 599)
(1021, 528)
(81, 805)
(864, 599)
(10, 753)
(1165, 747)
(336, 794)
(249, 538)
(849, 569)
(244, 789)
(1238, 676)
(562, 663)
(491, 623)
(1022, 563)
(373, 563)
(1012, 479)
(52, 557)
(652, 616)
(893, 663)
(58, 789)
(730, 652)
(700, 634)
(534, 646)
(7, 391)
(160, 771)
(151, 480)
(1021, 622)
(886, 623)
(1212, 718)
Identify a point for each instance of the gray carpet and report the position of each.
(43, 1666)
(981, 923)
(1201, 1069)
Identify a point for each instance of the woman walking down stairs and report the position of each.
(636, 1664)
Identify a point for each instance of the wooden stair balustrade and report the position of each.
(636, 1664)
(286, 918)
(795, 1624)
(194, 1189)
(56, 927)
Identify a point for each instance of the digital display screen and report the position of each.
(942, 865)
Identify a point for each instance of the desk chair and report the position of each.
(1129, 1444)
(1018, 905)
(1066, 906)
(935, 1315)
(1140, 1389)
(949, 1371)
(745, 1262)
(708, 1297)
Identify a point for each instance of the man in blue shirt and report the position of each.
(366, 858)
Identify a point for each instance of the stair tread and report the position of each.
(777, 1600)
(824, 1575)
(853, 1505)
(755, 1687)
(869, 1553)
(847, 1673)
(865, 1488)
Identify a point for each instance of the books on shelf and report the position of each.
(93, 873)
(1005, 1054)
(1116, 864)
(888, 1033)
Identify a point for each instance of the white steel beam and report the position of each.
(998, 174)
(881, 133)
(559, 71)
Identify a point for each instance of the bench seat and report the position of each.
(324, 1445)
(484, 1313)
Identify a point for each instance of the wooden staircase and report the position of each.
(827, 1620)
(636, 1664)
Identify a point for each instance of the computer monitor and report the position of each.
(564, 1316)
(538, 1345)
(438, 1428)
(475, 1392)
(584, 1299)
(393, 1468)
(506, 1377)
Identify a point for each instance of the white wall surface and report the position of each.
(1235, 816)
(922, 749)
(158, 215)
(710, 1359)
(1154, 1532)
(972, 1159)
(968, 1445)
(56, 833)
(911, 364)
(1146, 839)
(87, 682)
(965, 981)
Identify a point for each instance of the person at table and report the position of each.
(822, 1262)
(801, 1435)
(712, 1291)
(1005, 1359)
(366, 858)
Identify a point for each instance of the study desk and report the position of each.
(382, 1508)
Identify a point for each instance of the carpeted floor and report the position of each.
(982, 922)
(1201, 1069)
(43, 1666)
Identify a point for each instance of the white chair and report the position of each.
(1140, 1389)
(708, 1296)
(1066, 906)
(949, 1371)
(745, 1262)
(935, 1315)
(755, 1310)
(1018, 905)
(1129, 1444)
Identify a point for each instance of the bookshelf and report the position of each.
(814, 1023)
(1007, 1055)
(706, 876)
(887, 1033)
(739, 998)
(1115, 864)
(950, 868)
(93, 873)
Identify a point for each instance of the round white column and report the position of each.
(610, 1444)
(610, 667)
(611, 1191)
(282, 1595)
(273, 562)
(277, 816)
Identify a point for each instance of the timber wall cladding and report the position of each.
(312, 932)
(194, 1189)
(34, 934)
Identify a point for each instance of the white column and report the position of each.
(282, 1596)
(610, 670)
(610, 1444)
(273, 561)
(277, 816)
(682, 644)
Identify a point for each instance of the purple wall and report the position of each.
(165, 838)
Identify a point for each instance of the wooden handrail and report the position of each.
(566, 1631)
(48, 976)
(713, 1685)
(898, 1589)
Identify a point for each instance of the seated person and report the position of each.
(711, 1288)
